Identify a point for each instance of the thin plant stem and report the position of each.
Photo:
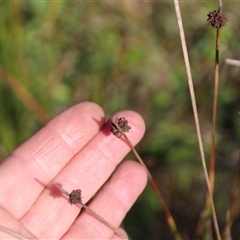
(194, 105)
(169, 217)
(214, 108)
(214, 111)
(232, 62)
(101, 219)
(12, 233)
(227, 230)
(214, 114)
(220, 5)
(233, 209)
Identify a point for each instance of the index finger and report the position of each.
(25, 173)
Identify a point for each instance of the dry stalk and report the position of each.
(194, 106)
(232, 62)
(12, 233)
(120, 131)
(88, 209)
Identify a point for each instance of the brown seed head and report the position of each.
(217, 19)
(122, 123)
(75, 197)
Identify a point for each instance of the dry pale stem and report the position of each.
(12, 233)
(194, 105)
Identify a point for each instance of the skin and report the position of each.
(75, 150)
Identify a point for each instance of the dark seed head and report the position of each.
(75, 197)
(122, 123)
(217, 19)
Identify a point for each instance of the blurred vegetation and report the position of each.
(127, 55)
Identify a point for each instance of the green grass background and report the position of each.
(127, 55)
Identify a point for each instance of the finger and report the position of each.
(88, 170)
(112, 203)
(10, 226)
(35, 163)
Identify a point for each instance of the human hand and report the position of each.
(75, 150)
